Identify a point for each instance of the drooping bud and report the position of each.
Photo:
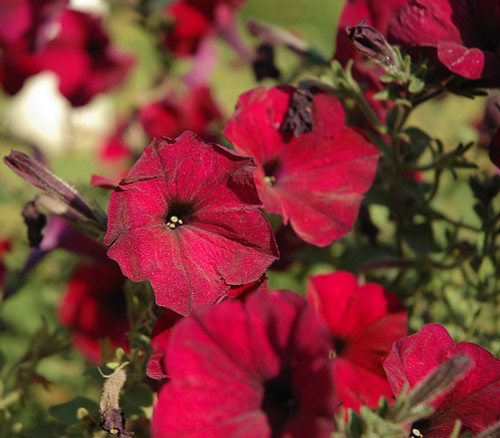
(371, 43)
(54, 187)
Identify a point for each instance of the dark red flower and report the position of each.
(186, 217)
(257, 368)
(169, 117)
(194, 20)
(365, 320)
(94, 307)
(315, 180)
(474, 399)
(80, 54)
(83, 58)
(463, 35)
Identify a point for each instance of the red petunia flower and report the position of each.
(315, 180)
(80, 54)
(161, 331)
(474, 399)
(257, 368)
(195, 20)
(463, 35)
(84, 60)
(186, 217)
(95, 308)
(169, 117)
(365, 320)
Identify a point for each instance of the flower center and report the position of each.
(279, 402)
(177, 215)
(340, 345)
(415, 433)
(270, 170)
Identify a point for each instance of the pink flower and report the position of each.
(474, 400)
(255, 369)
(365, 320)
(186, 217)
(315, 180)
(463, 35)
(95, 308)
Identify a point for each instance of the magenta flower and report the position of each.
(365, 320)
(474, 399)
(315, 180)
(463, 35)
(254, 369)
(186, 217)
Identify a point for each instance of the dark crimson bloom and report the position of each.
(95, 308)
(24, 30)
(80, 54)
(365, 320)
(169, 117)
(462, 34)
(186, 217)
(314, 178)
(83, 58)
(474, 399)
(195, 20)
(257, 368)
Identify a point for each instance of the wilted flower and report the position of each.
(314, 177)
(254, 368)
(365, 320)
(186, 217)
(474, 399)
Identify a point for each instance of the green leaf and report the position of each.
(419, 141)
(68, 412)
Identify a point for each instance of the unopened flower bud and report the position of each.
(371, 43)
(40, 176)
